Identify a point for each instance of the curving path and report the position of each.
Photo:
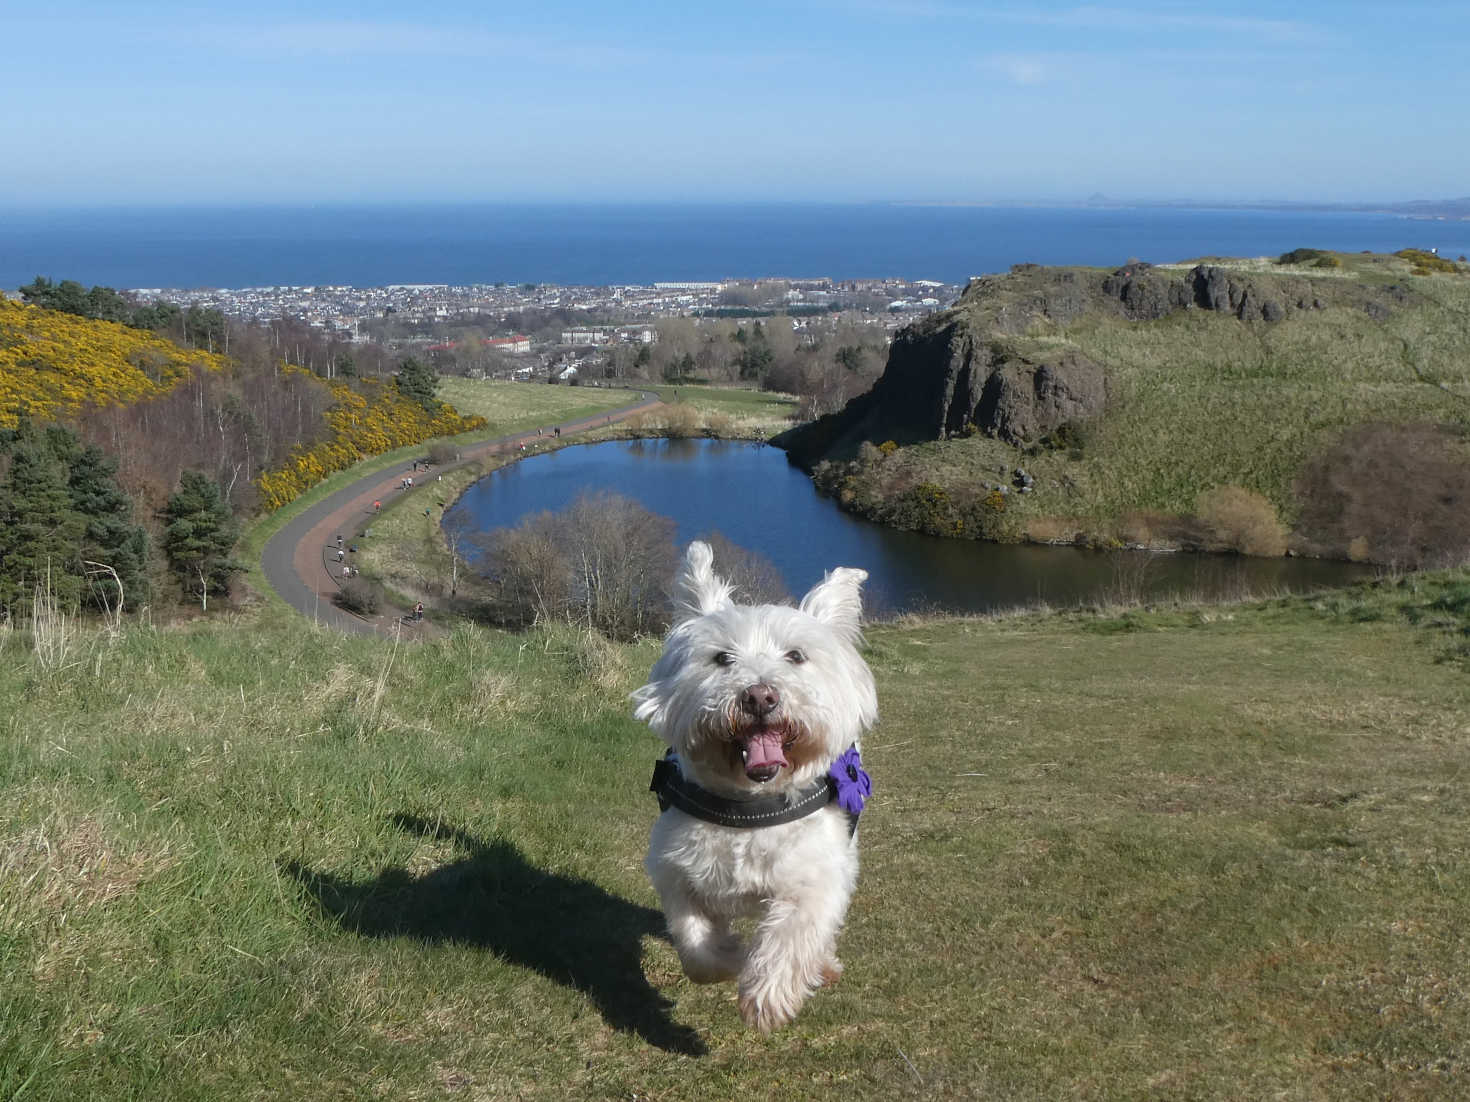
(300, 561)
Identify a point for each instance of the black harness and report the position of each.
(673, 789)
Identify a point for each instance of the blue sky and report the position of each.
(802, 99)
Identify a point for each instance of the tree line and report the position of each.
(824, 363)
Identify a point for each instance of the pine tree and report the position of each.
(419, 381)
(109, 538)
(40, 531)
(200, 536)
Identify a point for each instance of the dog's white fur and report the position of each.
(796, 877)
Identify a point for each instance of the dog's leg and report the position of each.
(708, 949)
(792, 954)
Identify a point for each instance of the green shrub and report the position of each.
(984, 517)
(926, 508)
(1303, 256)
(1071, 437)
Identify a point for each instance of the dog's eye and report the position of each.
(724, 658)
(795, 657)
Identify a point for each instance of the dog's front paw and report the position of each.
(764, 1013)
(831, 972)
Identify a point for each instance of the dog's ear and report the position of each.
(648, 706)
(837, 602)
(698, 589)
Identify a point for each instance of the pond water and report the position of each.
(751, 494)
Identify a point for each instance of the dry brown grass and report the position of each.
(1149, 528)
(681, 420)
(1052, 529)
(1237, 519)
(68, 866)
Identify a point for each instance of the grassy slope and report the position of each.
(1200, 400)
(510, 407)
(1194, 853)
(762, 406)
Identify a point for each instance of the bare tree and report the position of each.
(604, 562)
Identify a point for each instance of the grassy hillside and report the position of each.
(1202, 853)
(1196, 399)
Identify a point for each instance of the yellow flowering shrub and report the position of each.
(365, 420)
(52, 364)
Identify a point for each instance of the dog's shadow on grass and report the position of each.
(569, 930)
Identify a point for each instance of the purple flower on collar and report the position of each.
(854, 786)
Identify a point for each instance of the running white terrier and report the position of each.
(762, 707)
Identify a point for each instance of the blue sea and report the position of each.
(594, 244)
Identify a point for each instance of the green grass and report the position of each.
(1218, 854)
(511, 407)
(737, 401)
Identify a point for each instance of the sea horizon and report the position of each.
(610, 243)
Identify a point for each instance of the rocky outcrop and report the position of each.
(1220, 290)
(1145, 293)
(1000, 362)
(1023, 400)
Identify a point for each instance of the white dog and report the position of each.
(762, 707)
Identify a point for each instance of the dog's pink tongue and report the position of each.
(763, 754)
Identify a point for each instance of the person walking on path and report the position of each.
(377, 506)
(418, 611)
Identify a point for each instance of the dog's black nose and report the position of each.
(759, 699)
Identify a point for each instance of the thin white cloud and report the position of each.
(1026, 70)
(1155, 66)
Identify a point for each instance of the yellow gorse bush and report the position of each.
(375, 419)
(52, 364)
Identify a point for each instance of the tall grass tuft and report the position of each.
(53, 632)
(368, 725)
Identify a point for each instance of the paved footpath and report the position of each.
(300, 561)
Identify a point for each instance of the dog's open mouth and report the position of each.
(763, 752)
